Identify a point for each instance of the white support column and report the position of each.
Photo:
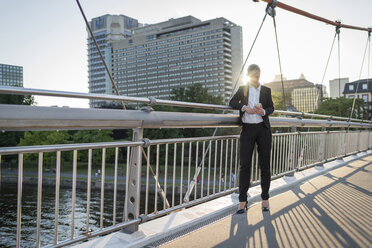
(322, 152)
(292, 149)
(134, 181)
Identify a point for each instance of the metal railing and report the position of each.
(165, 175)
(172, 176)
(153, 101)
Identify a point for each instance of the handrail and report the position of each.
(99, 145)
(23, 117)
(148, 100)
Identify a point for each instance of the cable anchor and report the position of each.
(270, 8)
(338, 27)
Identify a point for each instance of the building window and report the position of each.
(364, 87)
(150, 37)
(351, 87)
(365, 97)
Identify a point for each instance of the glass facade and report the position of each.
(11, 75)
(306, 100)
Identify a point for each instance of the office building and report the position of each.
(106, 29)
(297, 104)
(178, 53)
(289, 85)
(307, 99)
(11, 75)
(336, 87)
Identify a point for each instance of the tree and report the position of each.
(17, 99)
(342, 107)
(93, 136)
(278, 100)
(199, 94)
(118, 134)
(194, 93)
(13, 138)
(45, 138)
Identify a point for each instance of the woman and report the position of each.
(255, 105)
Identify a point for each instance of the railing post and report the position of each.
(344, 141)
(292, 149)
(322, 152)
(365, 147)
(134, 182)
(302, 144)
(343, 144)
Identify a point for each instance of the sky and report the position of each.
(48, 37)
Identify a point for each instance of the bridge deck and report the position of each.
(331, 210)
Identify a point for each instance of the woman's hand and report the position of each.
(258, 110)
(247, 109)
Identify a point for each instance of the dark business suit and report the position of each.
(252, 134)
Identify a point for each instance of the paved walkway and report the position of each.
(332, 210)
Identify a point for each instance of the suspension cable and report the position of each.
(369, 57)
(270, 10)
(325, 71)
(329, 57)
(360, 74)
(246, 59)
(280, 64)
(339, 58)
(339, 63)
(99, 52)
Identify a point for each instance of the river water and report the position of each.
(8, 213)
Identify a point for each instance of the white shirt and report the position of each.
(253, 98)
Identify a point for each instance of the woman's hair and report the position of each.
(252, 69)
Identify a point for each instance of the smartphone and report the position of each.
(258, 105)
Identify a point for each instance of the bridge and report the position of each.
(182, 178)
(318, 207)
(176, 191)
(331, 210)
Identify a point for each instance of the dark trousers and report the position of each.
(261, 135)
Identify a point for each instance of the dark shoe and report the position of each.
(265, 209)
(241, 211)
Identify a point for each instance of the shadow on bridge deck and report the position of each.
(331, 210)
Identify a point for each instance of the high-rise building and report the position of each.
(106, 29)
(178, 52)
(11, 75)
(336, 87)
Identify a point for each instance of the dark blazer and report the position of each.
(238, 100)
